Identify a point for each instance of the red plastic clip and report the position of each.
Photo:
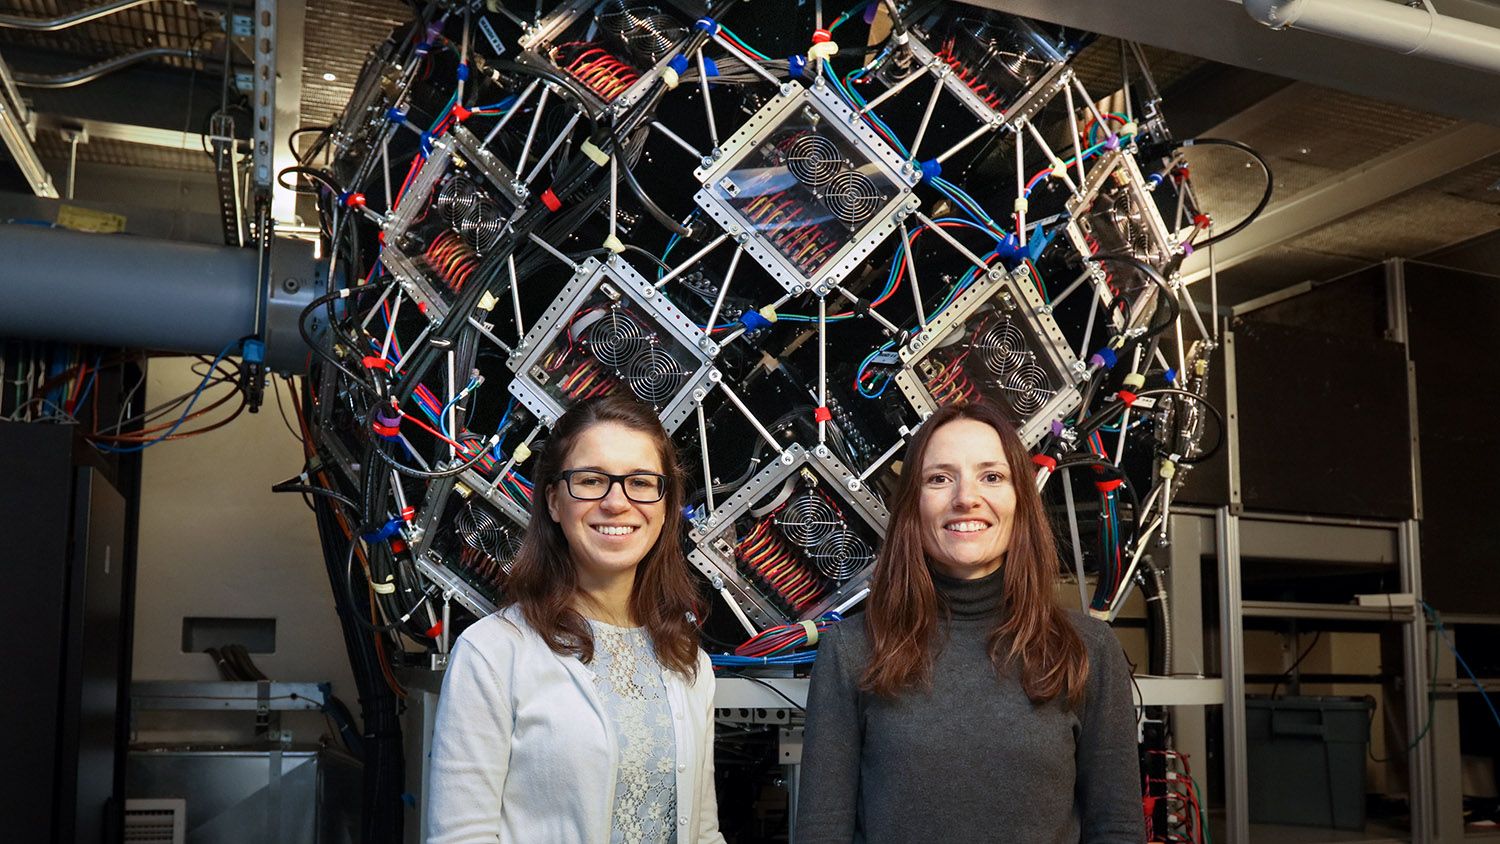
(397, 546)
(375, 362)
(435, 631)
(460, 114)
(1202, 221)
(354, 200)
(550, 200)
(1108, 486)
(1046, 462)
(422, 307)
(380, 237)
(386, 430)
(408, 513)
(823, 414)
(821, 36)
(1127, 397)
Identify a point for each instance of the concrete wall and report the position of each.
(216, 542)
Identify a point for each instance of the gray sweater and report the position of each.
(973, 760)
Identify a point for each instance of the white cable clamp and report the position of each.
(488, 301)
(386, 588)
(670, 78)
(614, 244)
(812, 631)
(595, 154)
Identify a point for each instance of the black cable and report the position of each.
(312, 173)
(423, 474)
(317, 348)
(1265, 197)
(779, 692)
(1288, 673)
(354, 598)
(1167, 296)
(293, 486)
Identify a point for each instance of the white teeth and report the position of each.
(966, 527)
(614, 530)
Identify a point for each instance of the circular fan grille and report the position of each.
(1026, 389)
(852, 197)
(480, 529)
(617, 337)
(655, 376)
(456, 199)
(841, 554)
(482, 226)
(808, 519)
(1002, 348)
(654, 37)
(814, 160)
(621, 18)
(505, 555)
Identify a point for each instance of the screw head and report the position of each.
(291, 285)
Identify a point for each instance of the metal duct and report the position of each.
(88, 74)
(1410, 30)
(140, 293)
(71, 19)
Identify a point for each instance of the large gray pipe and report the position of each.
(140, 293)
(1414, 30)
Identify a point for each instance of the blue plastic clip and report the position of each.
(253, 351)
(1171, 376)
(426, 143)
(463, 72)
(795, 65)
(395, 115)
(710, 66)
(931, 169)
(386, 531)
(753, 321)
(708, 25)
(1105, 357)
(679, 64)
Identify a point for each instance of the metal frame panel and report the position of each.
(436, 568)
(590, 276)
(794, 101)
(1025, 107)
(710, 557)
(1015, 297)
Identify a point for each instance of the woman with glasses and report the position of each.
(967, 705)
(582, 710)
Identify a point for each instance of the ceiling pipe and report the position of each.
(69, 20)
(88, 74)
(1411, 30)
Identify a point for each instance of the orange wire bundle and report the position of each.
(772, 563)
(597, 68)
(452, 260)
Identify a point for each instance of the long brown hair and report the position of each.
(544, 582)
(903, 609)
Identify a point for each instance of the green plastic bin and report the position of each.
(1307, 760)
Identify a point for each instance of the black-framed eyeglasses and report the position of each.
(593, 485)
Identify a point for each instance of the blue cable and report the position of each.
(202, 385)
(1437, 621)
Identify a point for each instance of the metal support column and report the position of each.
(1414, 665)
(1185, 587)
(1232, 645)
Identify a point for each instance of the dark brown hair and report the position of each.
(902, 615)
(544, 582)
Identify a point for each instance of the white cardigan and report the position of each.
(523, 751)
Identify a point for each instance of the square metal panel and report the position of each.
(610, 329)
(999, 66)
(809, 186)
(618, 51)
(1114, 215)
(995, 340)
(796, 541)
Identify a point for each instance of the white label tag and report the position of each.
(489, 33)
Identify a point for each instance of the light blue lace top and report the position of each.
(628, 678)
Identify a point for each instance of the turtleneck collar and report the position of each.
(971, 599)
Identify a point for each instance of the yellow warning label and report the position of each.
(89, 220)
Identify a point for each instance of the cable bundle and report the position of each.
(1185, 819)
(950, 384)
(596, 67)
(805, 243)
(780, 645)
(778, 567)
(452, 260)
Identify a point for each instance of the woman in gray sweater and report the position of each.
(966, 705)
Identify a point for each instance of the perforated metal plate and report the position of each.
(662, 358)
(866, 197)
(1023, 107)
